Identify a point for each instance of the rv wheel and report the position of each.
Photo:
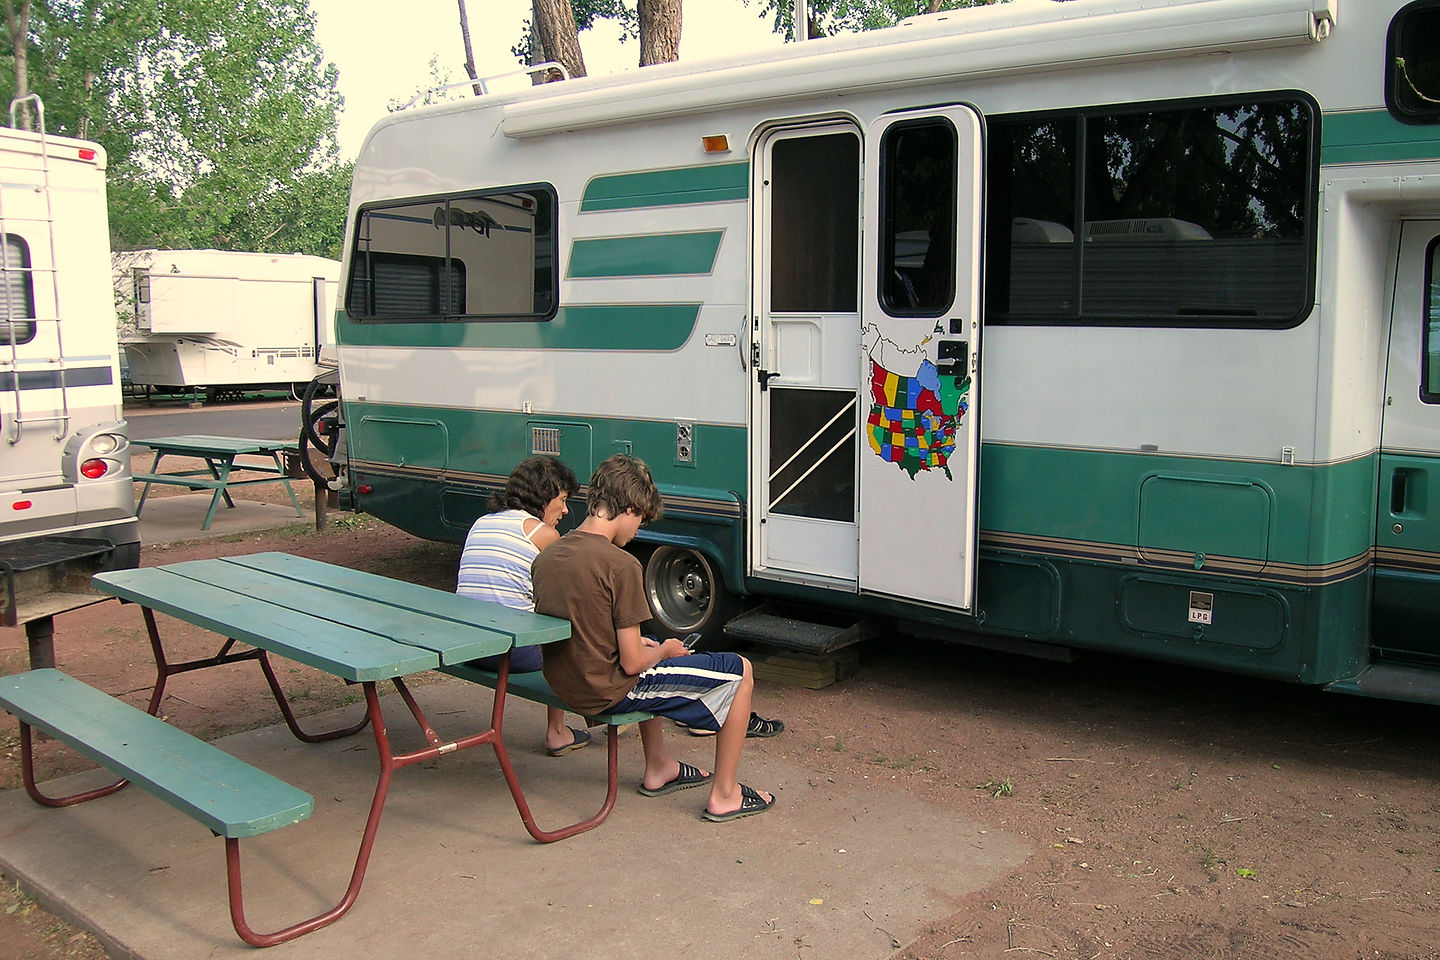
(686, 592)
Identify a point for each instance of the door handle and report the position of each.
(765, 376)
(1398, 488)
(952, 357)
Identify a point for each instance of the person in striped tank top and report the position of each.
(495, 563)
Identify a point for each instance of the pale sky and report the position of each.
(383, 48)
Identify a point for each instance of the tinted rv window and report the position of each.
(1430, 371)
(19, 293)
(917, 218)
(1412, 64)
(1199, 214)
(472, 256)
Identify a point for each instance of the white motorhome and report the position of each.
(1053, 326)
(220, 322)
(66, 495)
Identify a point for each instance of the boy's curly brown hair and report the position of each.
(623, 483)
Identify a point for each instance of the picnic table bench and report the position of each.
(219, 454)
(360, 627)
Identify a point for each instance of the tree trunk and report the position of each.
(19, 24)
(556, 36)
(469, 51)
(659, 31)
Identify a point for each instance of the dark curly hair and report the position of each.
(533, 484)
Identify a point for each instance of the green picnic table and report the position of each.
(219, 455)
(359, 627)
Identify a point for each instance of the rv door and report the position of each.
(920, 356)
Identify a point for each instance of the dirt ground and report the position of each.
(1171, 813)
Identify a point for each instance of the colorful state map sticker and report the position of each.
(913, 420)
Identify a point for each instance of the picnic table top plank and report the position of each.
(527, 629)
(453, 642)
(350, 653)
(201, 444)
(224, 793)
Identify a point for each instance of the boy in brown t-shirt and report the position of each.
(587, 578)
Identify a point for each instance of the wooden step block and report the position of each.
(810, 670)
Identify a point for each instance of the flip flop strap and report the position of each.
(760, 724)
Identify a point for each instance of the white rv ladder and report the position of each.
(61, 418)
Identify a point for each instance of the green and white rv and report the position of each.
(1074, 326)
(67, 502)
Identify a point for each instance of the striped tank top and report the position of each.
(495, 562)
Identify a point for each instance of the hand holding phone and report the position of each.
(690, 641)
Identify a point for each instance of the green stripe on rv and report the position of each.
(1304, 515)
(625, 326)
(1308, 515)
(679, 186)
(475, 443)
(1372, 136)
(653, 255)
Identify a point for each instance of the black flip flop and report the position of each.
(687, 777)
(760, 727)
(579, 738)
(751, 803)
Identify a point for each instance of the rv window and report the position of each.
(459, 257)
(18, 293)
(917, 218)
(1412, 64)
(1430, 371)
(1192, 215)
(815, 223)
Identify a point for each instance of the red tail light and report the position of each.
(21, 505)
(86, 153)
(94, 469)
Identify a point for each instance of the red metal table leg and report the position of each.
(27, 774)
(362, 858)
(612, 746)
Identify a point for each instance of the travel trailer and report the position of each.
(220, 322)
(66, 496)
(1045, 326)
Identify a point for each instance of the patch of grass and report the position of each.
(1003, 787)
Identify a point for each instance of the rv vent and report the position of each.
(545, 440)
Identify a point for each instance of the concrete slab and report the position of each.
(837, 869)
(176, 518)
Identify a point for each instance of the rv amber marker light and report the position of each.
(716, 144)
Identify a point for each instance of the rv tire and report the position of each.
(686, 592)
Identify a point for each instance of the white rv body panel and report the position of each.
(60, 398)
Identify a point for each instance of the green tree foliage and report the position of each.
(218, 117)
(830, 17)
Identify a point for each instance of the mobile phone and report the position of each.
(691, 640)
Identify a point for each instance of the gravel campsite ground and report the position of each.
(1169, 812)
